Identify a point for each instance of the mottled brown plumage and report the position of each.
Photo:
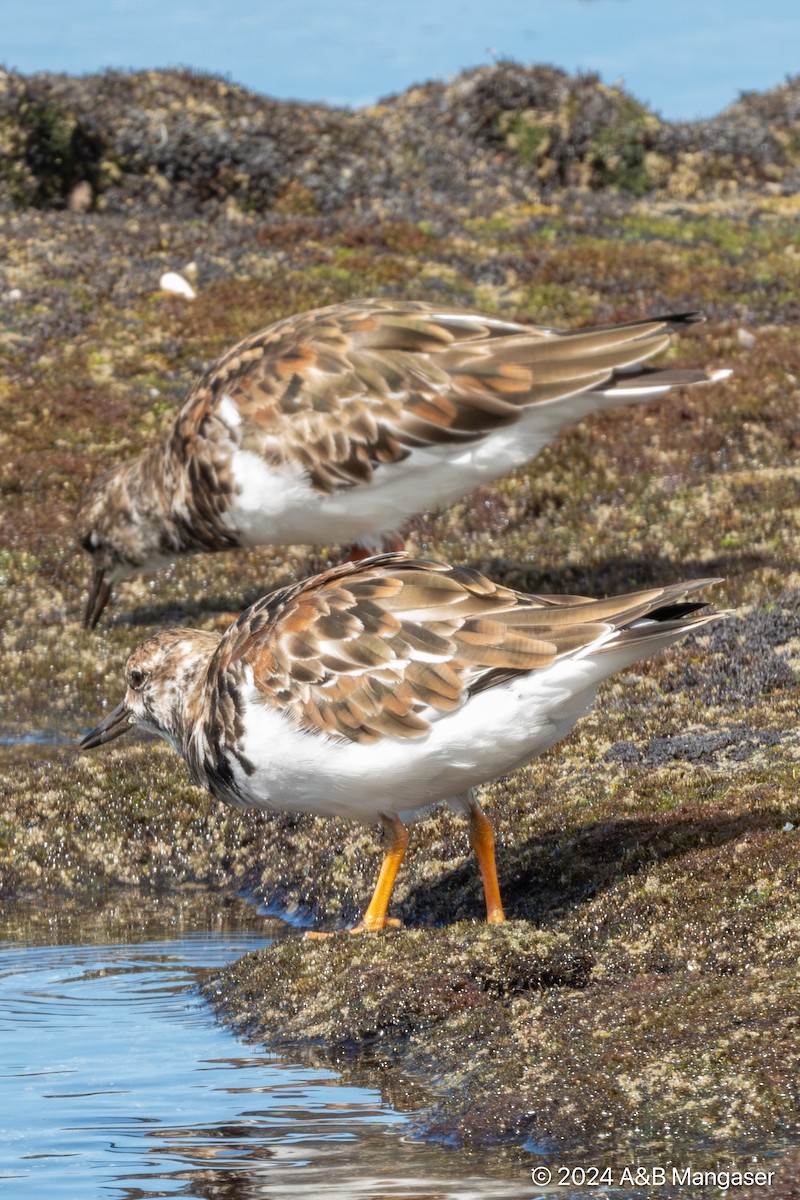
(339, 424)
(379, 688)
(342, 390)
(361, 654)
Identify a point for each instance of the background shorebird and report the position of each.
(339, 424)
(379, 688)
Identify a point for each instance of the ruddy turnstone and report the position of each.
(379, 688)
(338, 424)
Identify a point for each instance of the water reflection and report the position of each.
(115, 1081)
(34, 737)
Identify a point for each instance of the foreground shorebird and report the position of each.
(339, 424)
(379, 688)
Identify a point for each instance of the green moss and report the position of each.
(58, 150)
(618, 152)
(620, 163)
(527, 137)
(554, 302)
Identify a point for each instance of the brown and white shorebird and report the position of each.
(377, 689)
(339, 424)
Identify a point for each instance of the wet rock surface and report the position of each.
(644, 991)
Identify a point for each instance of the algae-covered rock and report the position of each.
(672, 1063)
(183, 141)
(349, 991)
(649, 864)
(522, 1043)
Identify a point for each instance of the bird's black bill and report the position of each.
(117, 722)
(99, 593)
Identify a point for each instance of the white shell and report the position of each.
(176, 285)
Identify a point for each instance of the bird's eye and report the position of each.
(136, 678)
(87, 543)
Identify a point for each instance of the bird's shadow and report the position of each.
(621, 573)
(546, 877)
(609, 577)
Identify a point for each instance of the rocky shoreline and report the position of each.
(644, 991)
(183, 141)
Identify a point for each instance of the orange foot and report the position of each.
(361, 927)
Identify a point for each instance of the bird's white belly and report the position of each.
(278, 505)
(492, 733)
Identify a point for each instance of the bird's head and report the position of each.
(119, 538)
(163, 678)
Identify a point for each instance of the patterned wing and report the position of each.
(368, 650)
(342, 390)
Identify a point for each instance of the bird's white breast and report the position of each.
(494, 732)
(279, 504)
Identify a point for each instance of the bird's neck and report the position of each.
(150, 485)
(182, 697)
(178, 498)
(195, 469)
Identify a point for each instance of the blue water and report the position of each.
(687, 58)
(115, 1082)
(34, 737)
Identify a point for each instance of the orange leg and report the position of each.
(395, 843)
(481, 838)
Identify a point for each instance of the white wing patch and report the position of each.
(229, 413)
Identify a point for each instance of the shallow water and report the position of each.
(33, 737)
(115, 1081)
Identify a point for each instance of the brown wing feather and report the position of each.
(342, 390)
(362, 651)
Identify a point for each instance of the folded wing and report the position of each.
(378, 648)
(342, 390)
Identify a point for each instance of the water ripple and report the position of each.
(118, 1083)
